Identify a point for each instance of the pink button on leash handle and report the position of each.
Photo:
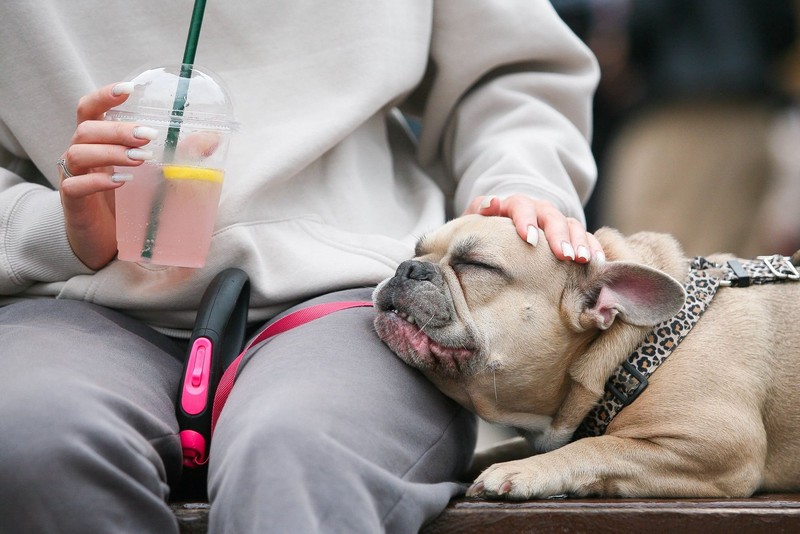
(217, 339)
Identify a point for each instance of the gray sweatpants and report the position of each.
(325, 430)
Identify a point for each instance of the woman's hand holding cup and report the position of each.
(87, 173)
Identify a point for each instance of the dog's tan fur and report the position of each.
(529, 341)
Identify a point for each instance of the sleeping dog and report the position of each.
(649, 375)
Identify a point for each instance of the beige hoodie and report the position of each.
(323, 189)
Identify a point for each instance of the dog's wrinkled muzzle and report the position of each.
(417, 321)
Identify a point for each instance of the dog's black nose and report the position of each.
(416, 270)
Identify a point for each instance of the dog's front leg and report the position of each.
(611, 466)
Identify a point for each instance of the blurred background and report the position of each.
(697, 120)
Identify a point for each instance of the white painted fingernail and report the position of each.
(599, 257)
(139, 154)
(486, 202)
(119, 177)
(145, 132)
(124, 88)
(533, 235)
(583, 253)
(568, 251)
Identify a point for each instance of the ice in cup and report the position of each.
(166, 213)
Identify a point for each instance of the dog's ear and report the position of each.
(638, 294)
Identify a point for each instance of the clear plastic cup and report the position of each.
(165, 214)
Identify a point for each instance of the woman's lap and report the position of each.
(87, 425)
(324, 425)
(368, 433)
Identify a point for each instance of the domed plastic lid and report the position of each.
(202, 98)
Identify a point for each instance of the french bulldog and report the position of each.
(525, 340)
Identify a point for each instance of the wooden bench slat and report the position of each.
(775, 514)
(769, 513)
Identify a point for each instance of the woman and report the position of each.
(323, 197)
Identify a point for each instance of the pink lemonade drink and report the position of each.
(165, 214)
(181, 200)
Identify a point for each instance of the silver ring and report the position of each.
(63, 164)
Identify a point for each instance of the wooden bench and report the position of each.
(771, 514)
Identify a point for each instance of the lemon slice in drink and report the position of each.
(179, 172)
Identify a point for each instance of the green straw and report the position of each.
(175, 124)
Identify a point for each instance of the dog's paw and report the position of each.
(517, 480)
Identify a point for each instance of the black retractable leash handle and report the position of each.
(217, 339)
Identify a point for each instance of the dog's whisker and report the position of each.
(494, 378)
(422, 328)
(493, 366)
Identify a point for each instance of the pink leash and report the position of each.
(293, 320)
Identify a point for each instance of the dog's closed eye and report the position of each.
(467, 265)
(463, 264)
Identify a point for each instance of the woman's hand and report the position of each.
(567, 237)
(87, 176)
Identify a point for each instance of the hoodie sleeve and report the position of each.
(508, 109)
(33, 238)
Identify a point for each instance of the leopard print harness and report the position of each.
(705, 278)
